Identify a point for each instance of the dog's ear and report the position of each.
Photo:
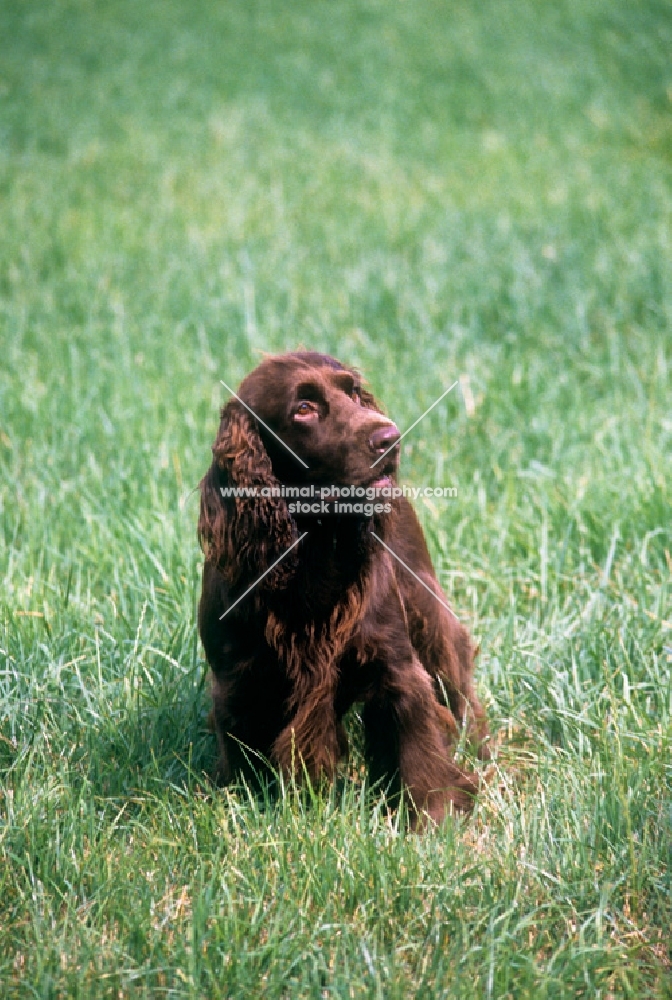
(245, 531)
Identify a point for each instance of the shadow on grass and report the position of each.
(166, 742)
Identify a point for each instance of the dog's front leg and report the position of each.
(407, 743)
(311, 742)
(408, 733)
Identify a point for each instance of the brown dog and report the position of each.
(348, 608)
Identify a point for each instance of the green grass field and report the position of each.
(430, 191)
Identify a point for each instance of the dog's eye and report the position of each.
(306, 410)
(356, 395)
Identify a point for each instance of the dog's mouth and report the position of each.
(381, 476)
(384, 474)
(381, 483)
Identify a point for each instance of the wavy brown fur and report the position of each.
(338, 620)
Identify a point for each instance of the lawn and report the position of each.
(431, 192)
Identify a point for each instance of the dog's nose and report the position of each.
(384, 438)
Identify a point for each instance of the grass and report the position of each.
(429, 191)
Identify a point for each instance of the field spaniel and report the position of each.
(312, 602)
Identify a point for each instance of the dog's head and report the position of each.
(317, 423)
(298, 419)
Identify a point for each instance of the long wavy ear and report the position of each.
(244, 533)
